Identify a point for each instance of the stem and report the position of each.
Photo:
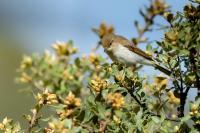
(182, 104)
(87, 127)
(143, 105)
(103, 125)
(148, 23)
(187, 90)
(183, 95)
(195, 70)
(34, 119)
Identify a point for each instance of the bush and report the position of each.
(88, 94)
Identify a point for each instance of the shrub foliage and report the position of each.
(88, 94)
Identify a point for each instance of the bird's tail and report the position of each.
(162, 69)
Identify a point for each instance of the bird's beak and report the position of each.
(99, 43)
(108, 49)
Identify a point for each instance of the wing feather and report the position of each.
(132, 48)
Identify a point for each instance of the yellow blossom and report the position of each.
(25, 78)
(65, 113)
(191, 11)
(2, 126)
(98, 84)
(160, 82)
(48, 130)
(70, 100)
(26, 62)
(109, 69)
(158, 7)
(46, 98)
(174, 116)
(120, 76)
(116, 119)
(103, 29)
(168, 16)
(176, 128)
(94, 59)
(57, 127)
(52, 98)
(149, 53)
(171, 37)
(67, 75)
(116, 100)
(172, 98)
(63, 48)
(6, 121)
(194, 110)
(49, 58)
(197, 122)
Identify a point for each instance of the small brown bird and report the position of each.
(123, 51)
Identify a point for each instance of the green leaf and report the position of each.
(173, 63)
(88, 116)
(155, 119)
(184, 52)
(68, 123)
(149, 47)
(101, 110)
(185, 118)
(194, 131)
(63, 87)
(139, 120)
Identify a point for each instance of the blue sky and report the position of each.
(39, 23)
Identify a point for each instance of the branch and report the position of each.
(183, 95)
(195, 69)
(187, 90)
(143, 105)
(103, 125)
(87, 127)
(34, 118)
(174, 76)
(141, 32)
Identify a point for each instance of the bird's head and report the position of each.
(107, 41)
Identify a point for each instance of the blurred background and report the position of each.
(32, 26)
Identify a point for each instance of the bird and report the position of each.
(123, 51)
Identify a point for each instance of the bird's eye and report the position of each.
(110, 42)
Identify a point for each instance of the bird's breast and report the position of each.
(125, 56)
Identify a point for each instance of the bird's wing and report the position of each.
(139, 52)
(134, 49)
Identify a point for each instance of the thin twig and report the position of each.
(136, 99)
(187, 89)
(142, 31)
(103, 125)
(87, 127)
(34, 119)
(195, 70)
(183, 95)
